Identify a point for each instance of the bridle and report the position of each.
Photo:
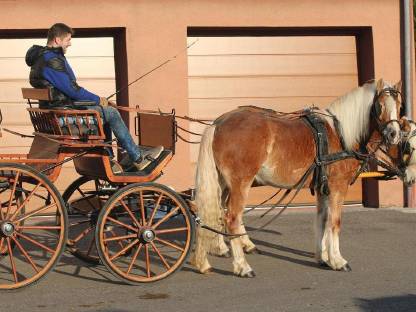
(405, 149)
(376, 109)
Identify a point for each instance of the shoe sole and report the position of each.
(145, 165)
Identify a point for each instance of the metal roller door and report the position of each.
(281, 73)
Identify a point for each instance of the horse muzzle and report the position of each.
(391, 135)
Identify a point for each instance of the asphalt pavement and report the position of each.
(380, 245)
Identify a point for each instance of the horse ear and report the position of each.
(380, 85)
(405, 124)
(398, 86)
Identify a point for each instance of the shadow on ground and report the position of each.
(405, 303)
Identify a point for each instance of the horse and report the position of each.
(251, 145)
(402, 156)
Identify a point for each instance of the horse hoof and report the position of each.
(206, 271)
(249, 274)
(346, 268)
(252, 251)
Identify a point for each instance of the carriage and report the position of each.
(143, 231)
(140, 230)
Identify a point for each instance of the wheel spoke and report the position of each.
(13, 265)
(174, 230)
(130, 213)
(120, 243)
(91, 246)
(134, 258)
(35, 242)
(38, 227)
(147, 260)
(164, 242)
(82, 235)
(160, 256)
(116, 238)
(2, 217)
(16, 178)
(171, 213)
(155, 209)
(24, 252)
(26, 200)
(122, 224)
(87, 198)
(28, 215)
(142, 209)
(124, 250)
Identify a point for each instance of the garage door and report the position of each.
(281, 73)
(94, 68)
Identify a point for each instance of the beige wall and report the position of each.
(157, 29)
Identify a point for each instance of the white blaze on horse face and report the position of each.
(393, 128)
(410, 174)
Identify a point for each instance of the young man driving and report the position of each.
(50, 69)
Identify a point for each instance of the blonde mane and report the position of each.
(353, 112)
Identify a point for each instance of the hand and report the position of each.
(103, 101)
(112, 104)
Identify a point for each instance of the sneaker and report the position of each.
(116, 167)
(125, 161)
(148, 157)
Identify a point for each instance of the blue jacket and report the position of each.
(50, 68)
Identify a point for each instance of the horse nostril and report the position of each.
(392, 134)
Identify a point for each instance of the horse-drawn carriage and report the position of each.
(142, 231)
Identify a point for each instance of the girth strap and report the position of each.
(320, 135)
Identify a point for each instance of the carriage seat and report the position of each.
(63, 123)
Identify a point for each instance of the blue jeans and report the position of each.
(113, 122)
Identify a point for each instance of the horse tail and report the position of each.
(208, 194)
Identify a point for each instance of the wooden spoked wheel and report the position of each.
(144, 233)
(84, 199)
(33, 225)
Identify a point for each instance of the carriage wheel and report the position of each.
(84, 198)
(155, 227)
(33, 224)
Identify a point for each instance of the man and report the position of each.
(50, 69)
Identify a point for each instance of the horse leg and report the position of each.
(321, 248)
(330, 239)
(336, 261)
(220, 248)
(248, 246)
(234, 221)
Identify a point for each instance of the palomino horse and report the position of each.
(251, 145)
(403, 155)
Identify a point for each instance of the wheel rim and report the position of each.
(152, 247)
(32, 230)
(85, 198)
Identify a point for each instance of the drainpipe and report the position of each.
(406, 62)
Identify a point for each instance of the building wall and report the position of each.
(157, 30)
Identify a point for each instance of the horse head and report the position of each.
(407, 147)
(385, 111)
